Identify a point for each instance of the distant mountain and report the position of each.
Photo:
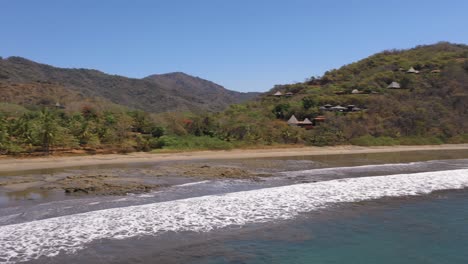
(209, 92)
(156, 93)
(39, 94)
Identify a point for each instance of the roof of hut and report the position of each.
(394, 85)
(307, 122)
(355, 91)
(338, 108)
(412, 70)
(278, 93)
(293, 120)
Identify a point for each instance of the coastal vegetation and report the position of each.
(429, 106)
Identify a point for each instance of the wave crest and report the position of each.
(49, 237)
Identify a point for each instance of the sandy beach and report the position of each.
(8, 164)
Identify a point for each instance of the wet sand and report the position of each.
(8, 164)
(122, 181)
(144, 172)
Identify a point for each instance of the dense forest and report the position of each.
(429, 105)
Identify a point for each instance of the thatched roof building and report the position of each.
(326, 107)
(338, 108)
(318, 120)
(293, 120)
(412, 70)
(394, 85)
(59, 106)
(278, 93)
(307, 122)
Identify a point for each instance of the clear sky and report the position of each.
(243, 45)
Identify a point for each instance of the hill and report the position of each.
(431, 105)
(406, 97)
(210, 93)
(166, 93)
(37, 95)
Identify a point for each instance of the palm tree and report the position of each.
(48, 129)
(3, 134)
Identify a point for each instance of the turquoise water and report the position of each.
(432, 229)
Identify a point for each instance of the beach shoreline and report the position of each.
(11, 164)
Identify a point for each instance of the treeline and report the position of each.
(31, 130)
(53, 129)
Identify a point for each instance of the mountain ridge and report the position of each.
(157, 94)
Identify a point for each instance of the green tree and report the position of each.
(158, 131)
(308, 102)
(47, 129)
(4, 137)
(281, 110)
(141, 122)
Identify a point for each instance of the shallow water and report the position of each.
(430, 230)
(366, 210)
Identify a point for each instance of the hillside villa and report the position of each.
(394, 85)
(339, 108)
(306, 123)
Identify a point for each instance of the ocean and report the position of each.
(373, 208)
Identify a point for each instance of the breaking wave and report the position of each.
(67, 234)
(191, 183)
(359, 169)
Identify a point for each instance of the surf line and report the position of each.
(70, 233)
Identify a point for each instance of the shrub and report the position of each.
(463, 138)
(420, 141)
(369, 140)
(142, 144)
(192, 143)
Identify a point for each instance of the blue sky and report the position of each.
(242, 45)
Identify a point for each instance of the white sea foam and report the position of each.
(49, 237)
(362, 168)
(191, 183)
(145, 195)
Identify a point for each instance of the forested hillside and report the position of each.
(415, 96)
(180, 92)
(430, 107)
(209, 94)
